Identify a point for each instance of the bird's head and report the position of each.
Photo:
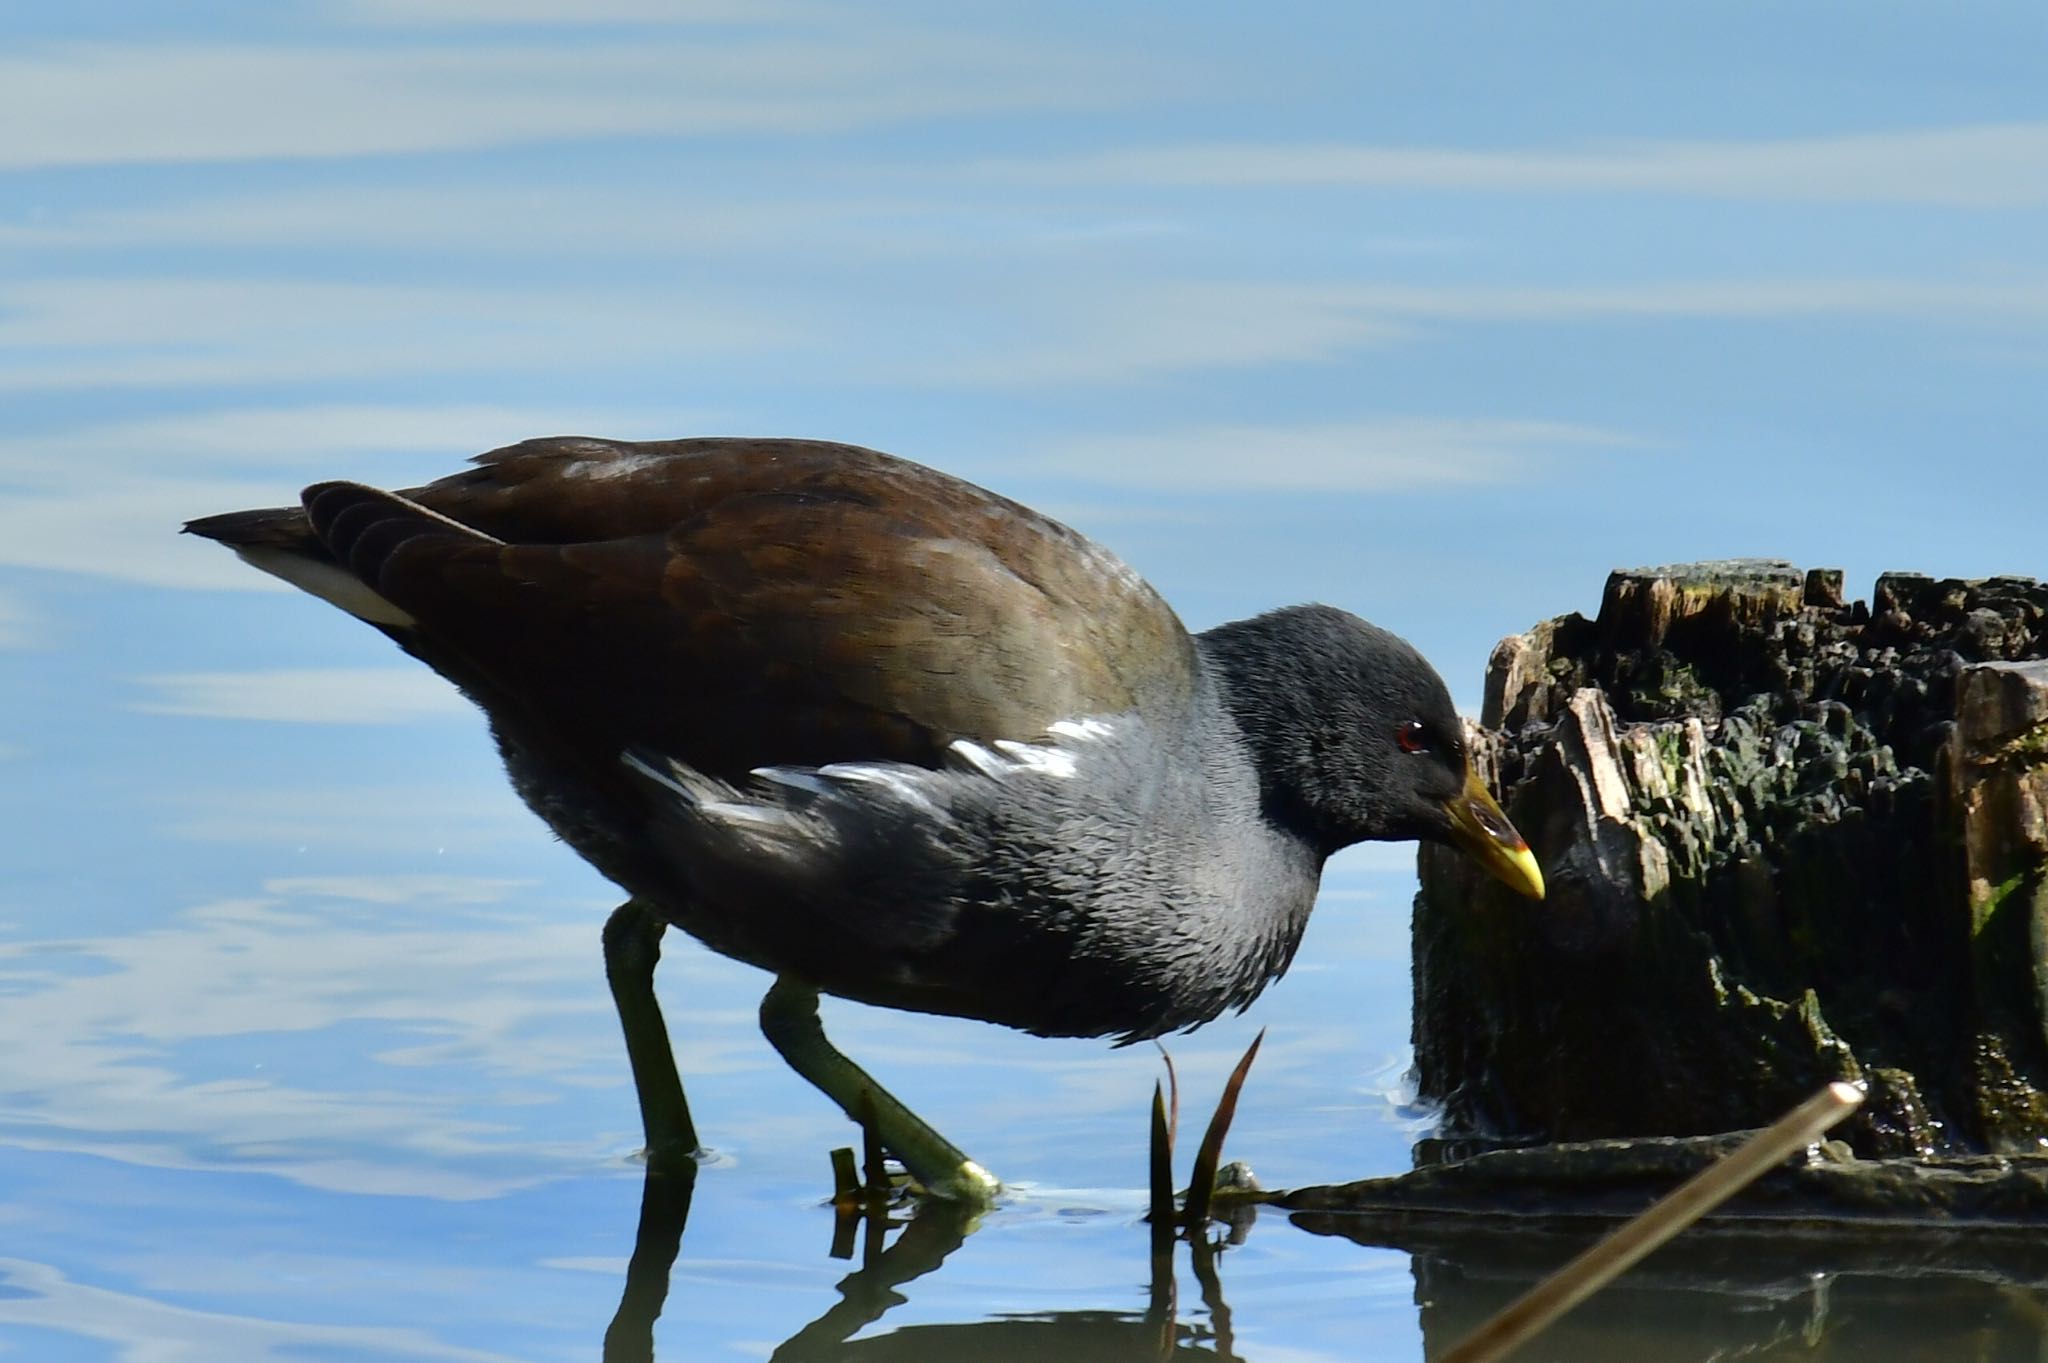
(1355, 738)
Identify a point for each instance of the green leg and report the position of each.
(789, 1017)
(632, 947)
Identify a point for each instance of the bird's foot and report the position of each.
(789, 1019)
(965, 1182)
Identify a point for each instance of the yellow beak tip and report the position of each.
(1483, 831)
(1523, 874)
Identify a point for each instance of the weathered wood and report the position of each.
(1579, 1184)
(1788, 840)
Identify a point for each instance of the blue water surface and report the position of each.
(1437, 313)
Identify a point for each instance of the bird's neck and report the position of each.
(1245, 889)
(1250, 677)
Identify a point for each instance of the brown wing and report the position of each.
(741, 603)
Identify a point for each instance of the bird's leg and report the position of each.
(789, 1017)
(632, 947)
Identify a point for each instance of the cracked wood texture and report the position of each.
(1789, 838)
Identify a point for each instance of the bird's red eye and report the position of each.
(1412, 736)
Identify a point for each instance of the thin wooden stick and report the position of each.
(1522, 1319)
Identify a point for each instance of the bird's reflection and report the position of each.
(1876, 1295)
(665, 1196)
(923, 1240)
(935, 1231)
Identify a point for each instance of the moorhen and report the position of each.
(890, 736)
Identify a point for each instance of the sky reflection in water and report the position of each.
(1437, 313)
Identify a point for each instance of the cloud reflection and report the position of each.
(113, 103)
(386, 820)
(577, 13)
(1987, 165)
(36, 1296)
(304, 695)
(1353, 456)
(212, 1042)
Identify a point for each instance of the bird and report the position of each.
(891, 737)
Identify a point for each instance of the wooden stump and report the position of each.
(1789, 839)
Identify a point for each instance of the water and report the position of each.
(311, 1054)
(310, 1057)
(307, 1050)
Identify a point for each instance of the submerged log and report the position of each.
(1789, 839)
(1594, 1184)
(1883, 1261)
